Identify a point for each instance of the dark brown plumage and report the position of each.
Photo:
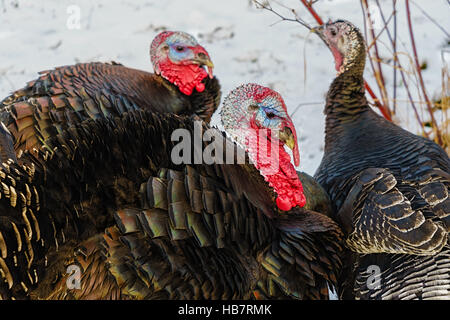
(390, 188)
(200, 231)
(67, 95)
(180, 244)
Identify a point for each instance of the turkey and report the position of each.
(68, 95)
(389, 188)
(200, 231)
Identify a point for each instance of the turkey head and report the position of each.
(178, 58)
(256, 117)
(346, 44)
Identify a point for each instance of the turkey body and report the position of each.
(179, 231)
(390, 189)
(71, 94)
(71, 193)
(181, 245)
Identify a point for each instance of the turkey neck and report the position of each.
(346, 98)
(345, 103)
(206, 102)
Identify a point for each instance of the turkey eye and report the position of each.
(270, 115)
(179, 48)
(333, 32)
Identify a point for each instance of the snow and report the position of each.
(243, 42)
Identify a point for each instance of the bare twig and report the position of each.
(397, 62)
(394, 46)
(431, 19)
(378, 73)
(382, 108)
(408, 78)
(405, 74)
(419, 74)
(445, 102)
(305, 104)
(268, 7)
(375, 40)
(313, 12)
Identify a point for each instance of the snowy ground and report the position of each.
(245, 47)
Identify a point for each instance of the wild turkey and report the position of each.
(71, 94)
(200, 231)
(389, 188)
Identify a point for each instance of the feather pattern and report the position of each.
(106, 197)
(67, 95)
(390, 191)
(207, 255)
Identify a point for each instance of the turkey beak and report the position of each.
(319, 31)
(289, 137)
(202, 58)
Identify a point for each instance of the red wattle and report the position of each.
(278, 171)
(185, 77)
(200, 87)
(283, 203)
(338, 59)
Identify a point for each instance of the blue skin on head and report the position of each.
(269, 117)
(176, 55)
(179, 48)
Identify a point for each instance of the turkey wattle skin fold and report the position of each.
(284, 180)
